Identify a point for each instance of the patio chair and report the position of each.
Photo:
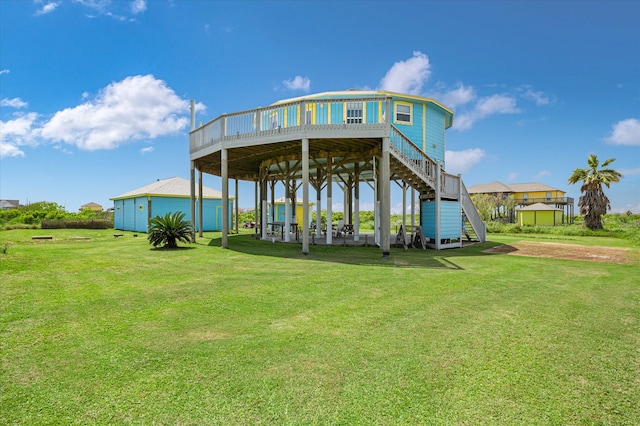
(339, 231)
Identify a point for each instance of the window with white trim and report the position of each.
(354, 112)
(403, 113)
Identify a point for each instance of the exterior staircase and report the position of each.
(417, 169)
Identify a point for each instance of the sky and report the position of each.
(94, 94)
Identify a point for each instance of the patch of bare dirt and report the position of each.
(563, 251)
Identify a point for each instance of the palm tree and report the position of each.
(167, 230)
(593, 203)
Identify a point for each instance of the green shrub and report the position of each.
(77, 224)
(167, 230)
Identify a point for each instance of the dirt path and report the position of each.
(563, 251)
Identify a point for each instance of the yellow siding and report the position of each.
(542, 217)
(538, 194)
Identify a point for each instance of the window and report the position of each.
(273, 120)
(308, 116)
(354, 112)
(525, 196)
(403, 113)
(548, 196)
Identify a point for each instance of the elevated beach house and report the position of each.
(346, 139)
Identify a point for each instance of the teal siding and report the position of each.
(435, 133)
(413, 131)
(118, 214)
(132, 214)
(428, 219)
(211, 211)
(450, 219)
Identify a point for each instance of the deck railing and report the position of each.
(543, 200)
(469, 209)
(287, 117)
(413, 157)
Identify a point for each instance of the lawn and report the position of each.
(111, 331)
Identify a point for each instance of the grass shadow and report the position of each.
(352, 255)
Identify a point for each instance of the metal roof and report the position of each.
(176, 187)
(540, 206)
(499, 187)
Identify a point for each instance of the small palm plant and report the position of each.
(167, 230)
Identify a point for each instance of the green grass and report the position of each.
(111, 331)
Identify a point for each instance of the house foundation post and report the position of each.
(201, 203)
(385, 195)
(305, 196)
(193, 201)
(225, 197)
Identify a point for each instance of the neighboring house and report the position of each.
(133, 210)
(277, 211)
(527, 194)
(91, 206)
(9, 204)
(346, 138)
(540, 214)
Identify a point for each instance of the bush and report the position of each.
(77, 224)
(167, 230)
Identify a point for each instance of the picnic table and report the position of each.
(279, 228)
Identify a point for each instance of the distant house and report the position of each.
(91, 206)
(9, 204)
(277, 213)
(539, 214)
(528, 194)
(133, 210)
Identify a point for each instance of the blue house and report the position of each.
(133, 210)
(347, 139)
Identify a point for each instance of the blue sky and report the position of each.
(94, 94)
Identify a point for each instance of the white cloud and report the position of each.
(8, 150)
(146, 150)
(486, 107)
(629, 172)
(4, 72)
(512, 177)
(456, 97)
(15, 133)
(298, 83)
(13, 103)
(47, 8)
(462, 161)
(407, 76)
(135, 108)
(138, 6)
(539, 98)
(625, 132)
(542, 174)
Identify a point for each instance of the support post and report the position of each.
(329, 202)
(192, 176)
(236, 203)
(201, 203)
(193, 201)
(385, 198)
(225, 197)
(305, 196)
(438, 191)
